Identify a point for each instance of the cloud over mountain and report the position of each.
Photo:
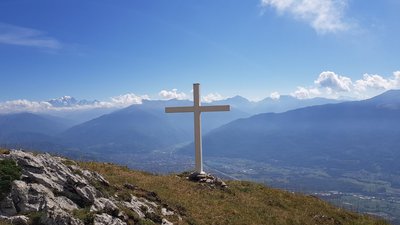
(336, 82)
(331, 85)
(68, 103)
(173, 94)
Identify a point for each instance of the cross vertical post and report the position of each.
(197, 109)
(197, 129)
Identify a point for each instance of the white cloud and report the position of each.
(323, 15)
(333, 81)
(23, 105)
(22, 36)
(304, 93)
(128, 99)
(173, 94)
(331, 85)
(211, 97)
(377, 82)
(275, 95)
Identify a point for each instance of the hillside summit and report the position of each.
(49, 190)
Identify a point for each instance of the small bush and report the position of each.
(35, 217)
(9, 171)
(85, 215)
(145, 222)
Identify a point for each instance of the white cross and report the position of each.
(197, 109)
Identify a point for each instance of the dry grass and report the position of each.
(4, 151)
(243, 203)
(3, 222)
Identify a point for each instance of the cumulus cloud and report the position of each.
(331, 85)
(22, 36)
(377, 82)
(173, 94)
(128, 99)
(275, 95)
(323, 15)
(211, 97)
(304, 93)
(333, 81)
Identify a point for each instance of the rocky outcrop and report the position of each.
(55, 192)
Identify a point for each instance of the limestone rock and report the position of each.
(7, 207)
(138, 206)
(166, 212)
(105, 219)
(16, 220)
(166, 222)
(56, 190)
(59, 217)
(105, 205)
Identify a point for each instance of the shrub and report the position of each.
(85, 215)
(9, 171)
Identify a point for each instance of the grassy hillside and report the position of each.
(242, 203)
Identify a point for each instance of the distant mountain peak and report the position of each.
(237, 99)
(68, 101)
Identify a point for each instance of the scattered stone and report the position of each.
(129, 186)
(166, 222)
(140, 207)
(166, 212)
(207, 179)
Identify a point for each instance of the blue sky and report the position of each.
(97, 49)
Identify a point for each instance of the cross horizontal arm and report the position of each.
(181, 109)
(215, 108)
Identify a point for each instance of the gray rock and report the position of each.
(105, 219)
(87, 193)
(105, 205)
(29, 197)
(49, 186)
(7, 207)
(139, 206)
(36, 197)
(16, 220)
(166, 212)
(61, 202)
(59, 217)
(166, 222)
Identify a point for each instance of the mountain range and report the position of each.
(137, 128)
(344, 140)
(324, 145)
(347, 130)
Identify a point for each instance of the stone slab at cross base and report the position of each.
(207, 179)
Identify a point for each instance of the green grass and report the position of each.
(243, 203)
